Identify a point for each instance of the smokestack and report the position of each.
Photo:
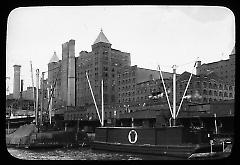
(71, 74)
(64, 74)
(16, 81)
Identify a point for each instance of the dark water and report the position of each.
(78, 154)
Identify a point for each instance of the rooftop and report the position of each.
(101, 38)
(54, 58)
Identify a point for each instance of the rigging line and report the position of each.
(186, 89)
(160, 72)
(93, 98)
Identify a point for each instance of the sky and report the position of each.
(153, 35)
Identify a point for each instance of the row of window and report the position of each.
(93, 115)
(127, 81)
(127, 74)
(142, 98)
(215, 93)
(206, 85)
(126, 87)
(207, 100)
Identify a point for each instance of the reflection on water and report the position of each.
(77, 154)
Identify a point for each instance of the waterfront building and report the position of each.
(101, 63)
(205, 88)
(54, 79)
(136, 84)
(126, 88)
(192, 115)
(28, 94)
(225, 69)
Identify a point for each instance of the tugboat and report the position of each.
(173, 140)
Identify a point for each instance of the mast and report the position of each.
(174, 113)
(41, 114)
(7, 91)
(102, 106)
(50, 109)
(32, 84)
(215, 123)
(50, 105)
(174, 95)
(37, 84)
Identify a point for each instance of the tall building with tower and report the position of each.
(120, 79)
(61, 75)
(103, 62)
(54, 77)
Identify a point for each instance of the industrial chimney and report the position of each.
(71, 74)
(16, 81)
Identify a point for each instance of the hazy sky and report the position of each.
(153, 35)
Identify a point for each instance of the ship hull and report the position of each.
(167, 141)
(180, 151)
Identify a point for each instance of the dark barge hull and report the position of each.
(181, 151)
(27, 136)
(167, 141)
(35, 146)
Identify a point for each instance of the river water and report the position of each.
(78, 154)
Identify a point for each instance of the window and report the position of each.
(225, 87)
(220, 86)
(210, 92)
(215, 86)
(205, 84)
(210, 85)
(106, 75)
(225, 94)
(180, 86)
(204, 91)
(204, 99)
(198, 84)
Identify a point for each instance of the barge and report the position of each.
(167, 141)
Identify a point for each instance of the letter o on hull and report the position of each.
(135, 136)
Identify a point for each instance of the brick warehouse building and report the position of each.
(126, 87)
(225, 69)
(130, 82)
(103, 62)
(210, 87)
